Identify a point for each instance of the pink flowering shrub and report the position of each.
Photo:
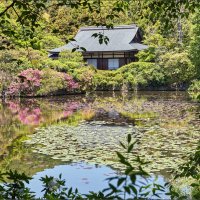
(32, 75)
(71, 84)
(33, 82)
(27, 83)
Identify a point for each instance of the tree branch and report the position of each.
(8, 7)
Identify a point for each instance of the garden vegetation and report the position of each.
(28, 29)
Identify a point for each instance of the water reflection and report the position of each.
(36, 112)
(169, 124)
(87, 178)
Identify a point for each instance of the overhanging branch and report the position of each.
(7, 8)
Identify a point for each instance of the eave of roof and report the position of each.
(120, 39)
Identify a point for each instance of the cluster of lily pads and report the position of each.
(97, 142)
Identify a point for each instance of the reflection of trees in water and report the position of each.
(20, 117)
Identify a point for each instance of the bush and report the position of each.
(194, 90)
(66, 62)
(33, 82)
(195, 86)
(142, 74)
(85, 77)
(50, 41)
(148, 55)
(27, 83)
(53, 81)
(108, 80)
(134, 74)
(177, 67)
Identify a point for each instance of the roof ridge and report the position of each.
(89, 28)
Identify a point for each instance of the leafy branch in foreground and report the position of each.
(191, 169)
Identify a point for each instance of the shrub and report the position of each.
(195, 86)
(57, 65)
(53, 81)
(27, 83)
(142, 73)
(147, 55)
(178, 68)
(85, 77)
(108, 80)
(33, 82)
(51, 41)
(66, 62)
(194, 90)
(70, 56)
(134, 74)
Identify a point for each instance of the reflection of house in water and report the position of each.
(111, 117)
(124, 42)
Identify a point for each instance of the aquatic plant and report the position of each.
(125, 186)
(122, 187)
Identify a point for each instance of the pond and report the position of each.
(78, 136)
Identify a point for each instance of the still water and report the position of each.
(78, 136)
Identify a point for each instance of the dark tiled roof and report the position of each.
(120, 39)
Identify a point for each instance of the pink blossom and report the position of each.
(27, 82)
(71, 84)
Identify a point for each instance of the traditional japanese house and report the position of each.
(124, 42)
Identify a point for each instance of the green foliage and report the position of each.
(195, 42)
(147, 55)
(51, 41)
(85, 77)
(66, 62)
(194, 90)
(108, 80)
(65, 56)
(142, 73)
(177, 67)
(134, 74)
(52, 81)
(16, 189)
(195, 86)
(49, 23)
(191, 169)
(10, 64)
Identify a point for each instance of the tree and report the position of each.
(28, 13)
(195, 43)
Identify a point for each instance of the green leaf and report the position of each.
(134, 190)
(120, 156)
(129, 138)
(120, 181)
(130, 148)
(127, 189)
(122, 145)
